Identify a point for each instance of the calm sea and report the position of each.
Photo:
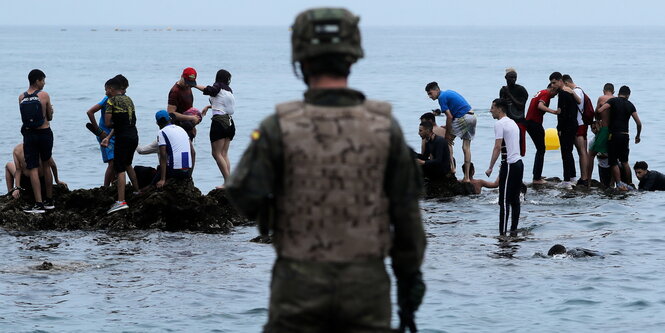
(155, 281)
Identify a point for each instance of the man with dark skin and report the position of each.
(332, 177)
(517, 96)
(621, 110)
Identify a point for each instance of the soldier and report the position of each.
(336, 184)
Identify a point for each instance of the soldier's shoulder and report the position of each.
(289, 108)
(380, 108)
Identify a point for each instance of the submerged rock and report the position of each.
(178, 206)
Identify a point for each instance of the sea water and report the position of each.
(157, 281)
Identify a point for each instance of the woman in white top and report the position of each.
(222, 129)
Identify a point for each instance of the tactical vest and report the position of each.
(332, 207)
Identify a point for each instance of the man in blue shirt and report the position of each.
(460, 121)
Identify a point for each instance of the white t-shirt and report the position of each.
(580, 106)
(177, 146)
(223, 103)
(506, 129)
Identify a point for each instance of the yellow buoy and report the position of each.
(551, 139)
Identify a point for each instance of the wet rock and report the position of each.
(262, 239)
(447, 187)
(178, 206)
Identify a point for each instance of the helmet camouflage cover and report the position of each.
(325, 30)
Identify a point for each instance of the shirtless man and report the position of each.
(36, 114)
(600, 140)
(16, 172)
(478, 184)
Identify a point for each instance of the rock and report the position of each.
(178, 206)
(45, 266)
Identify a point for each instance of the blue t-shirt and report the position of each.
(451, 100)
(102, 122)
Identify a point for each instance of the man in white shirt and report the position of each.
(507, 142)
(175, 150)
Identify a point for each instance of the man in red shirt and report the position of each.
(181, 99)
(534, 126)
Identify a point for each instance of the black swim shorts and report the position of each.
(618, 148)
(123, 152)
(37, 145)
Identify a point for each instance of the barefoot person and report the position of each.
(460, 120)
(507, 143)
(223, 128)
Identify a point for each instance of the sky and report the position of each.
(119, 13)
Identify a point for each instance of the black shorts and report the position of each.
(222, 127)
(123, 152)
(618, 148)
(37, 145)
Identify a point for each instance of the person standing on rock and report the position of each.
(120, 116)
(181, 100)
(36, 115)
(297, 178)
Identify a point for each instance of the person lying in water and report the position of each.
(650, 180)
(578, 252)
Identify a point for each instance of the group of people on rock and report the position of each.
(609, 121)
(118, 138)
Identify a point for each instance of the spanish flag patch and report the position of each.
(255, 135)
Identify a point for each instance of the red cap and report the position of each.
(189, 74)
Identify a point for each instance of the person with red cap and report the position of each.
(180, 100)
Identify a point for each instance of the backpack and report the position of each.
(31, 110)
(588, 114)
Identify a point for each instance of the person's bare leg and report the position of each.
(121, 186)
(109, 174)
(36, 186)
(580, 144)
(217, 154)
(590, 166)
(466, 149)
(10, 169)
(628, 171)
(225, 154)
(48, 179)
(132, 178)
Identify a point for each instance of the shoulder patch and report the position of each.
(256, 134)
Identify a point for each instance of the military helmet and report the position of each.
(325, 30)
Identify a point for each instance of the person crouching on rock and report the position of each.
(435, 159)
(175, 150)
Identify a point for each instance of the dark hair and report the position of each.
(624, 90)
(556, 249)
(333, 64)
(223, 76)
(432, 85)
(428, 116)
(567, 78)
(427, 125)
(122, 81)
(161, 122)
(641, 165)
(501, 103)
(608, 87)
(35, 75)
(114, 83)
(549, 85)
(556, 76)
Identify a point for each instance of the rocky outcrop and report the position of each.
(178, 206)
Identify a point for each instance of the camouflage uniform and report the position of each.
(333, 180)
